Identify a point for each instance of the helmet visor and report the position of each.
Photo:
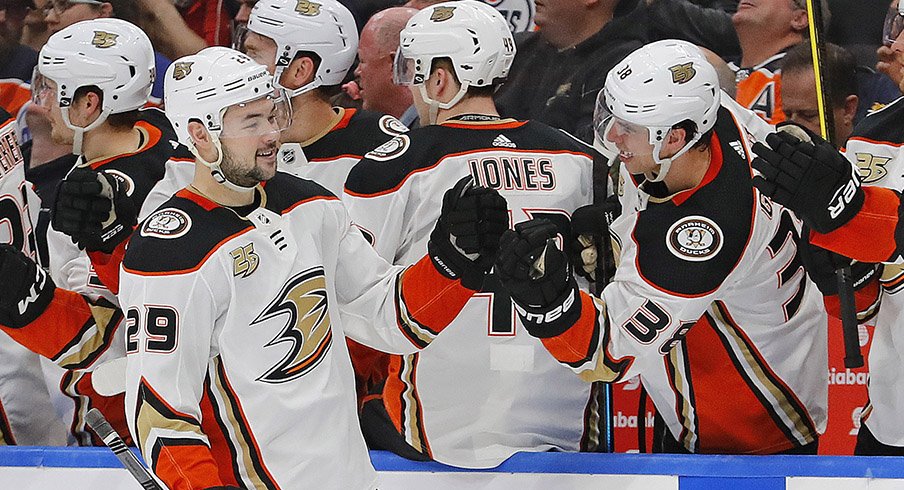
(894, 25)
(42, 92)
(618, 136)
(270, 114)
(239, 33)
(403, 70)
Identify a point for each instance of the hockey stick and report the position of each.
(853, 358)
(102, 428)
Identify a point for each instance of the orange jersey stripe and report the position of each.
(60, 323)
(875, 224)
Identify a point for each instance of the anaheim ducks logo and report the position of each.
(308, 8)
(103, 39)
(872, 167)
(307, 328)
(182, 69)
(694, 239)
(683, 73)
(441, 14)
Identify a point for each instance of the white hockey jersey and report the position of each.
(238, 372)
(151, 175)
(710, 304)
(331, 155)
(877, 148)
(485, 389)
(27, 416)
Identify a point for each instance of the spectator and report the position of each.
(378, 43)
(799, 89)
(561, 67)
(16, 61)
(168, 29)
(34, 31)
(702, 22)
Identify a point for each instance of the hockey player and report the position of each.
(95, 75)
(27, 415)
(451, 56)
(238, 294)
(708, 275)
(863, 223)
(309, 48)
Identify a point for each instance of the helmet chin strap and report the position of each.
(666, 163)
(79, 136)
(294, 92)
(215, 170)
(435, 106)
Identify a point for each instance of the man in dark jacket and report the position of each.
(560, 68)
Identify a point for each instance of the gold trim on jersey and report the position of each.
(92, 338)
(677, 368)
(600, 371)
(792, 415)
(79, 427)
(411, 406)
(340, 113)
(892, 279)
(493, 122)
(414, 330)
(591, 440)
(247, 457)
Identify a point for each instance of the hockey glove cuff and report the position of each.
(26, 290)
(589, 232)
(821, 265)
(808, 175)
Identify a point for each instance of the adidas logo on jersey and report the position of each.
(501, 140)
(738, 147)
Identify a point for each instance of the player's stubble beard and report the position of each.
(239, 174)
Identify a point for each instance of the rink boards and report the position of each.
(23, 468)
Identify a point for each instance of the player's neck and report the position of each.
(468, 105)
(107, 141)
(688, 170)
(757, 46)
(312, 117)
(205, 185)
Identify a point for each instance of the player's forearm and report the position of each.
(167, 28)
(875, 234)
(71, 331)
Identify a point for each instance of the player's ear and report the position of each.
(199, 134)
(106, 10)
(299, 73)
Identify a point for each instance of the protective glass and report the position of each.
(403, 72)
(894, 25)
(270, 114)
(617, 135)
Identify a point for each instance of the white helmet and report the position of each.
(112, 54)
(202, 86)
(657, 87)
(474, 35)
(324, 27)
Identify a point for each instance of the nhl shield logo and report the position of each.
(441, 14)
(104, 39)
(695, 239)
(308, 8)
(683, 73)
(182, 69)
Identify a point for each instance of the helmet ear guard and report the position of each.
(657, 87)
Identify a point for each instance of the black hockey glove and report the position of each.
(25, 290)
(538, 277)
(94, 209)
(589, 226)
(464, 241)
(821, 265)
(809, 177)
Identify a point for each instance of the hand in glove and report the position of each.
(465, 240)
(94, 209)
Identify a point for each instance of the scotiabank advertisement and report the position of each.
(847, 396)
